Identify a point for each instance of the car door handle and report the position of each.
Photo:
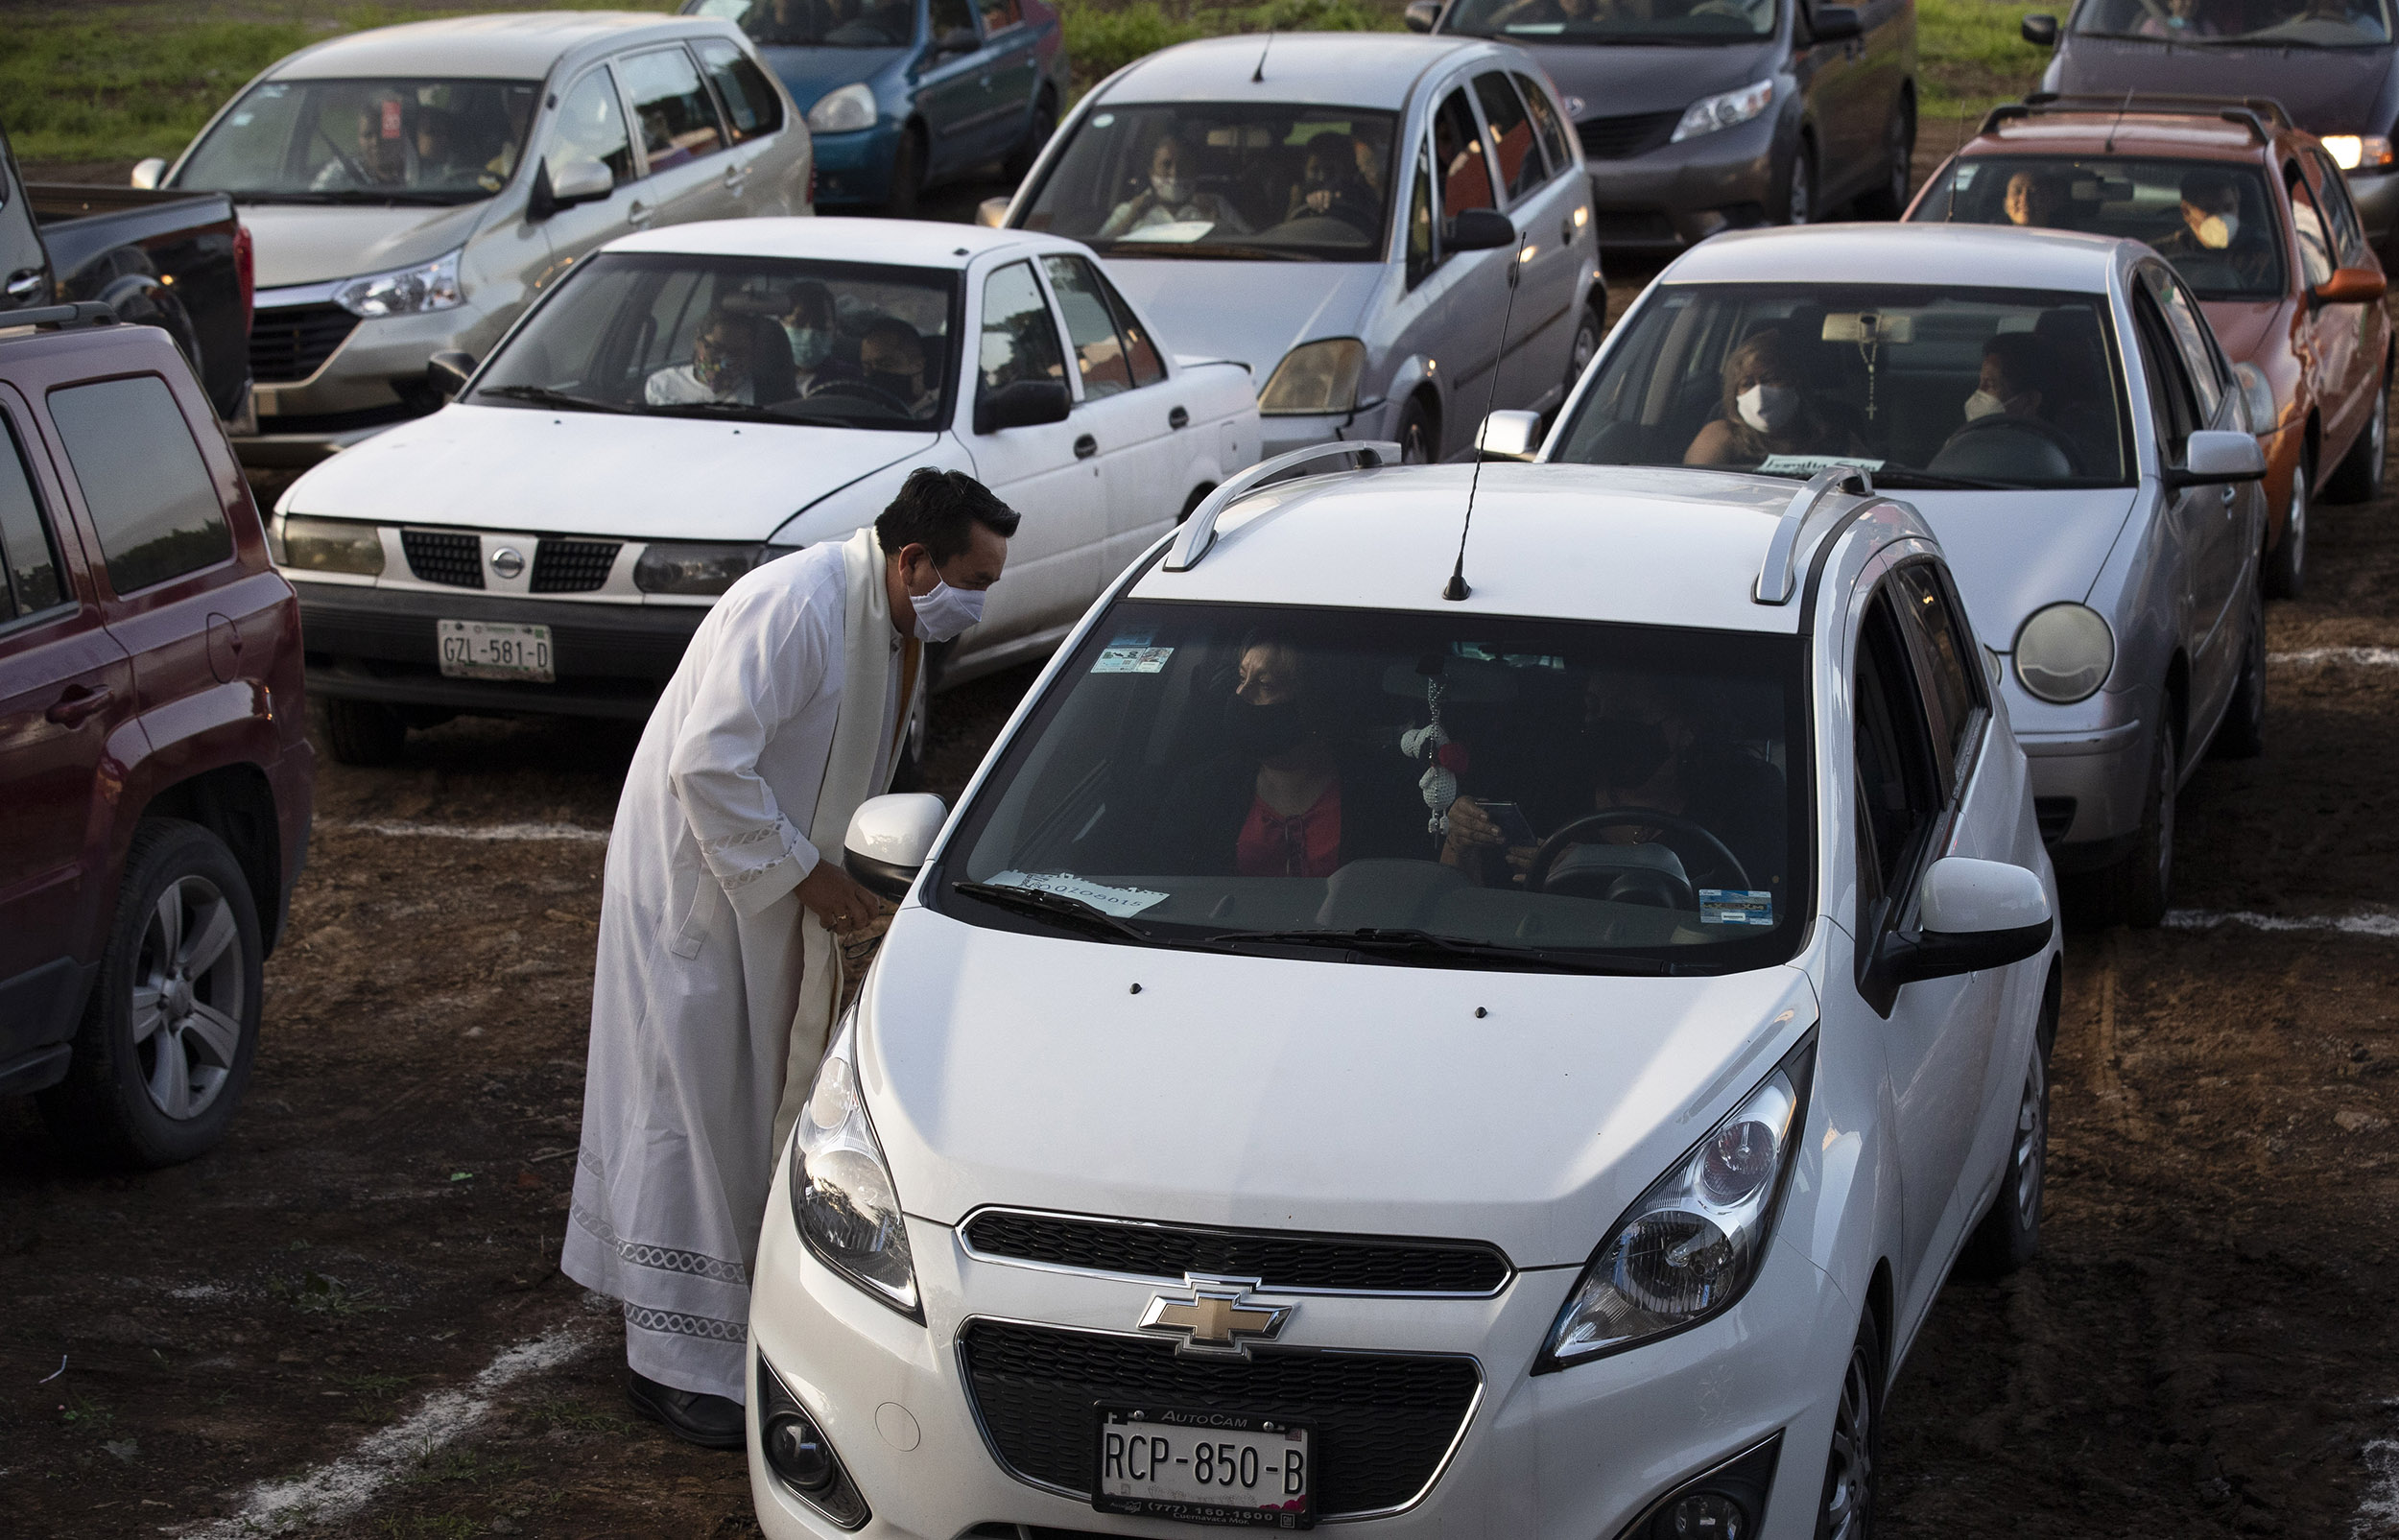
(1566, 231)
(79, 702)
(735, 175)
(1086, 447)
(1179, 418)
(637, 212)
(24, 284)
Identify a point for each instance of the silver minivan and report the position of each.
(1345, 213)
(409, 189)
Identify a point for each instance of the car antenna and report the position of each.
(1258, 76)
(1455, 588)
(2118, 123)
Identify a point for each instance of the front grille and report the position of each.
(572, 566)
(1633, 133)
(2054, 815)
(1277, 1259)
(1383, 1422)
(290, 343)
(436, 556)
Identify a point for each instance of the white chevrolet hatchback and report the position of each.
(1515, 1055)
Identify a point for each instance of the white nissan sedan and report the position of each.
(1514, 1054)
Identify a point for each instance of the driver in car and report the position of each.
(719, 371)
(1171, 197)
(1330, 185)
(2016, 388)
(385, 149)
(892, 357)
(1765, 411)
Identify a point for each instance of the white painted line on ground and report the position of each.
(403, 829)
(2202, 919)
(342, 1487)
(2373, 657)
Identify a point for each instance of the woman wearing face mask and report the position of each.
(1765, 410)
(808, 326)
(1171, 197)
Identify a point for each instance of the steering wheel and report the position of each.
(2039, 428)
(873, 394)
(1537, 875)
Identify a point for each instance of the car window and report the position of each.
(1938, 639)
(1019, 334)
(2348, 234)
(157, 511)
(2171, 400)
(32, 582)
(679, 123)
(395, 140)
(1421, 252)
(1099, 355)
(1457, 145)
(2192, 338)
(998, 16)
(1139, 350)
(590, 126)
(1696, 22)
(1545, 120)
(1521, 167)
(951, 15)
(819, 23)
(2302, 24)
(2315, 242)
(1898, 794)
(750, 99)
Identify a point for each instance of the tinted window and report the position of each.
(1545, 119)
(678, 121)
(1898, 793)
(1938, 637)
(750, 99)
(1521, 168)
(951, 15)
(1139, 351)
(819, 23)
(1019, 335)
(1420, 218)
(150, 497)
(1457, 145)
(1101, 355)
(2171, 400)
(32, 580)
(590, 126)
(2192, 340)
(998, 16)
(2348, 235)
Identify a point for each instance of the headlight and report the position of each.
(2063, 654)
(2351, 151)
(325, 545)
(842, 1200)
(842, 112)
(1316, 377)
(1694, 1240)
(699, 569)
(404, 291)
(1726, 110)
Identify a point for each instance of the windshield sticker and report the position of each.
(1810, 464)
(1736, 906)
(1121, 902)
(1172, 232)
(1132, 660)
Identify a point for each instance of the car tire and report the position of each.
(2009, 1235)
(1588, 330)
(1799, 187)
(365, 732)
(1852, 1464)
(908, 176)
(2287, 564)
(164, 1050)
(2243, 735)
(2359, 477)
(1417, 434)
(2141, 882)
(1899, 146)
(1036, 134)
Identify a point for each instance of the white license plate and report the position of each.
(481, 650)
(1204, 1467)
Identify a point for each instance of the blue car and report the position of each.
(902, 93)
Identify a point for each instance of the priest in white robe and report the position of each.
(717, 968)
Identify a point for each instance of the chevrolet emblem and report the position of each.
(1219, 1319)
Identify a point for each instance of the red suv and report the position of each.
(155, 777)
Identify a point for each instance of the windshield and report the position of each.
(819, 23)
(1224, 179)
(746, 338)
(1971, 388)
(1615, 21)
(1250, 777)
(2286, 23)
(367, 141)
(2213, 221)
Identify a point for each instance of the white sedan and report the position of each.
(1512, 1057)
(696, 401)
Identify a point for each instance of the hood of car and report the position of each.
(589, 473)
(2012, 552)
(312, 243)
(1027, 1071)
(2325, 90)
(1619, 82)
(808, 73)
(1249, 312)
(2243, 326)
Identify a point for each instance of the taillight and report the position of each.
(245, 270)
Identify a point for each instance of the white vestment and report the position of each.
(713, 986)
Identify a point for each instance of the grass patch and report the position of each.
(464, 1465)
(1972, 55)
(321, 1295)
(560, 1412)
(375, 1386)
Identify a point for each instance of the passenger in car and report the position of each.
(2032, 199)
(807, 322)
(1171, 197)
(1765, 410)
(720, 366)
(2211, 231)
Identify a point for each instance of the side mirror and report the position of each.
(1422, 15)
(448, 371)
(1973, 914)
(578, 181)
(992, 212)
(2259, 396)
(2217, 455)
(1509, 436)
(1022, 404)
(957, 40)
(1478, 229)
(2038, 30)
(2351, 286)
(1833, 24)
(889, 838)
(147, 173)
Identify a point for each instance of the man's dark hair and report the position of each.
(2202, 189)
(2029, 365)
(938, 509)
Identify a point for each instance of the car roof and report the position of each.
(520, 46)
(1371, 69)
(1640, 545)
(1983, 256)
(907, 243)
(2173, 136)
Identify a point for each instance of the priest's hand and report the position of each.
(833, 897)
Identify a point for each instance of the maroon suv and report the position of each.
(154, 775)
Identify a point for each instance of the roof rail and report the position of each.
(1199, 531)
(1778, 574)
(2261, 115)
(82, 313)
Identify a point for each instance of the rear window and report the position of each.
(152, 499)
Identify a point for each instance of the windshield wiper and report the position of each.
(1404, 945)
(1933, 478)
(541, 396)
(1067, 913)
(361, 195)
(1215, 251)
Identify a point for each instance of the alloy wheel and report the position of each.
(1849, 1483)
(2032, 1142)
(188, 1004)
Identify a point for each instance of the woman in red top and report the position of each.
(1294, 827)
